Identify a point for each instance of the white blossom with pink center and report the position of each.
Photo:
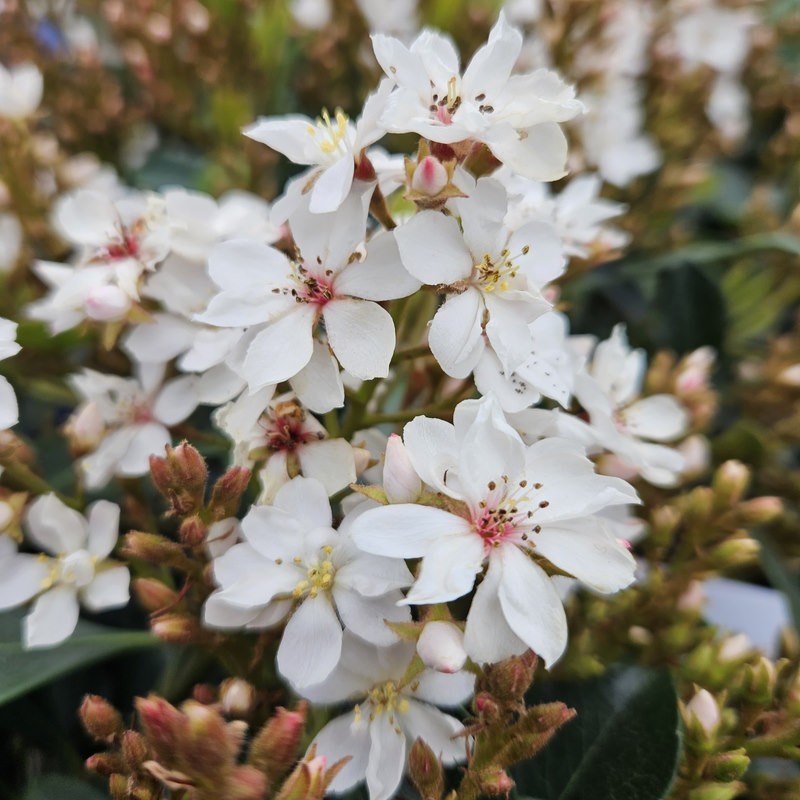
(284, 300)
(513, 505)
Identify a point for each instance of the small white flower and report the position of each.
(79, 573)
(389, 716)
(20, 91)
(9, 409)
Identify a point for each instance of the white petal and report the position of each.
(405, 530)
(431, 446)
(22, 577)
(329, 461)
(109, 589)
(539, 153)
(387, 759)
(148, 440)
(177, 400)
(455, 333)
(217, 613)
(660, 417)
(288, 135)
(306, 500)
(98, 467)
(373, 575)
(282, 349)
(103, 519)
(585, 549)
(54, 526)
(361, 335)
(340, 738)
(365, 616)
(439, 731)
(332, 186)
(88, 218)
(432, 249)
(444, 689)
(448, 569)
(319, 384)
(531, 605)
(311, 643)
(52, 619)
(9, 409)
(161, 339)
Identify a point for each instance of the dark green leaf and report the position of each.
(780, 577)
(24, 670)
(623, 745)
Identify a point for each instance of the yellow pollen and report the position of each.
(495, 273)
(319, 578)
(333, 130)
(385, 697)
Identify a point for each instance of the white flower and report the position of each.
(332, 147)
(79, 572)
(718, 37)
(293, 559)
(515, 116)
(389, 717)
(515, 503)
(492, 277)
(728, 106)
(285, 300)
(9, 409)
(136, 413)
(20, 91)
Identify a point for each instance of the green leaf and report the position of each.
(24, 670)
(780, 577)
(49, 787)
(623, 745)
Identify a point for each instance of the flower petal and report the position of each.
(438, 730)
(448, 569)
(110, 588)
(387, 759)
(54, 526)
(330, 461)
(52, 619)
(103, 519)
(455, 333)
(340, 738)
(432, 249)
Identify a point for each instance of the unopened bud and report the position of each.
(430, 177)
(694, 598)
(736, 551)
(118, 787)
(275, 747)
(163, 725)
(760, 681)
(790, 376)
(85, 428)
(425, 771)
(104, 763)
(727, 767)
(181, 477)
(307, 781)
(734, 648)
(703, 710)
(246, 783)
(192, 531)
(227, 492)
(154, 595)
(237, 697)
(495, 781)
(107, 304)
(153, 549)
(759, 510)
(134, 750)
(507, 681)
(210, 744)
(441, 646)
(175, 628)
(730, 483)
(101, 720)
(400, 481)
(716, 791)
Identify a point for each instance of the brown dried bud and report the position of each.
(102, 721)
(425, 770)
(105, 763)
(227, 492)
(154, 595)
(181, 477)
(275, 747)
(154, 549)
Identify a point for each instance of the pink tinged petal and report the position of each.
(660, 417)
(374, 575)
(288, 135)
(21, 578)
(305, 500)
(52, 619)
(282, 349)
(439, 731)
(387, 758)
(488, 638)
(531, 605)
(405, 530)
(365, 616)
(399, 64)
(587, 550)
(539, 152)
(455, 333)
(311, 643)
(448, 569)
(9, 409)
(103, 519)
(217, 613)
(332, 186)
(340, 738)
(432, 249)
(381, 276)
(88, 218)
(329, 461)
(148, 440)
(177, 400)
(319, 385)
(444, 689)
(361, 335)
(432, 448)
(110, 588)
(54, 526)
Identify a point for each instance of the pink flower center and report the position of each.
(506, 515)
(310, 288)
(288, 433)
(128, 247)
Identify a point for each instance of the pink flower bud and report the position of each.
(704, 709)
(237, 697)
(430, 177)
(441, 646)
(107, 303)
(85, 427)
(400, 482)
